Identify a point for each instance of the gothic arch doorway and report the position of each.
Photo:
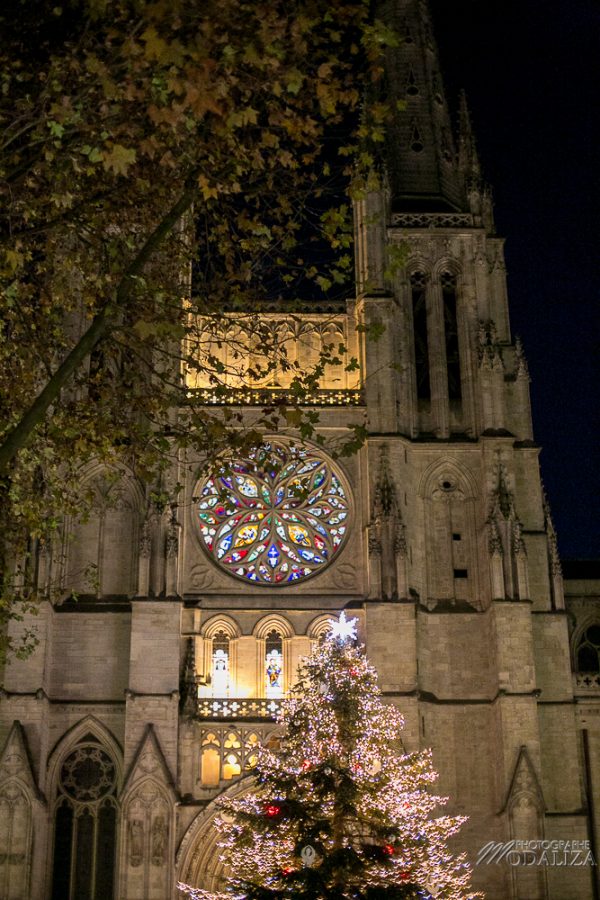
(198, 861)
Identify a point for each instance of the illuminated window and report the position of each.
(231, 764)
(227, 753)
(251, 745)
(220, 665)
(275, 517)
(274, 665)
(211, 760)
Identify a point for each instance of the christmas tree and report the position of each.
(340, 810)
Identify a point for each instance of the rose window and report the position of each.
(87, 774)
(275, 517)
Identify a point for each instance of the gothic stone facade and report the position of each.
(145, 699)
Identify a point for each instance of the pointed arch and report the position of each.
(19, 799)
(275, 622)
(448, 493)
(525, 782)
(147, 823)
(525, 806)
(446, 264)
(217, 656)
(197, 862)
(221, 622)
(319, 626)
(273, 635)
(85, 772)
(432, 477)
(585, 648)
(418, 263)
(147, 833)
(16, 836)
(89, 725)
(100, 548)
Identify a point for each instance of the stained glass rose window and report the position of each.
(277, 516)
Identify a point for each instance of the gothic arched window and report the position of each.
(232, 752)
(421, 342)
(210, 771)
(588, 651)
(274, 664)
(451, 536)
(85, 825)
(449, 295)
(220, 665)
(101, 549)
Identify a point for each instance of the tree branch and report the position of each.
(102, 325)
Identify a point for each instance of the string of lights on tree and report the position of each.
(340, 810)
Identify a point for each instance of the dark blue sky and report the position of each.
(531, 70)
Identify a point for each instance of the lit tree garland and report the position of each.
(340, 811)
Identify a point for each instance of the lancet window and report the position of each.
(274, 664)
(85, 825)
(421, 342)
(449, 294)
(220, 675)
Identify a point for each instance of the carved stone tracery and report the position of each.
(387, 534)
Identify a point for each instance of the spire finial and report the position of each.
(467, 154)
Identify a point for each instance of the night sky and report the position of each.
(531, 71)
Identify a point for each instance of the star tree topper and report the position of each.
(344, 629)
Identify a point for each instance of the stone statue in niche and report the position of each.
(136, 842)
(159, 841)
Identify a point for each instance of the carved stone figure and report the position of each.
(136, 842)
(159, 841)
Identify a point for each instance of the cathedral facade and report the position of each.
(146, 698)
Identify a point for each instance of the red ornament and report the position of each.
(305, 765)
(388, 849)
(404, 876)
(354, 671)
(272, 810)
(287, 871)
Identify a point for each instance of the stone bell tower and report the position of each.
(465, 616)
(147, 697)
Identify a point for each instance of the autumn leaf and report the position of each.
(209, 191)
(118, 159)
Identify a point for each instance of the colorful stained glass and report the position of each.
(299, 535)
(277, 518)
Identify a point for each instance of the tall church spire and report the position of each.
(422, 162)
(468, 157)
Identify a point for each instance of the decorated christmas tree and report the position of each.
(340, 810)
